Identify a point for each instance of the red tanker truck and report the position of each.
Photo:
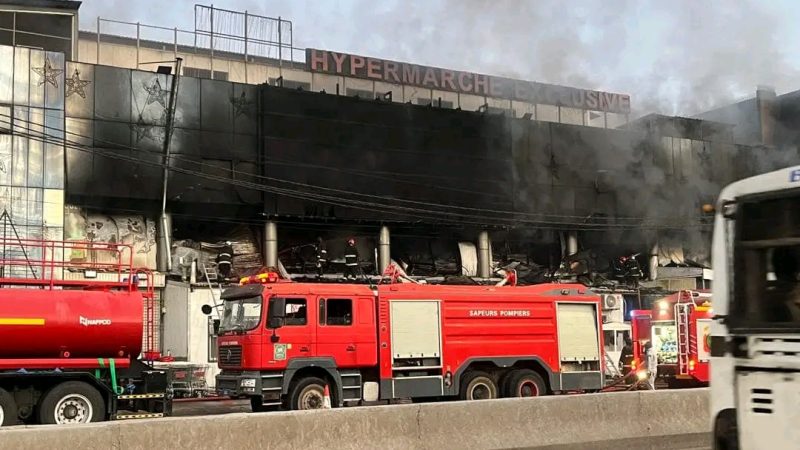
(71, 334)
(284, 343)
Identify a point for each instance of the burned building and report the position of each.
(448, 172)
(339, 145)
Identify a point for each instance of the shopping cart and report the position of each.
(186, 379)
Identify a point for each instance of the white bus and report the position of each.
(755, 343)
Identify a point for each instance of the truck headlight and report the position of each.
(248, 382)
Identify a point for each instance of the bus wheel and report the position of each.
(308, 393)
(525, 383)
(8, 409)
(478, 385)
(72, 402)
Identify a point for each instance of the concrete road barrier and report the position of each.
(501, 424)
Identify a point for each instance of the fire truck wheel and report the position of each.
(478, 385)
(72, 402)
(525, 383)
(8, 409)
(308, 393)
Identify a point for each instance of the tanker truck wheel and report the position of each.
(8, 409)
(72, 402)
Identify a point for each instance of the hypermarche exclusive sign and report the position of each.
(324, 61)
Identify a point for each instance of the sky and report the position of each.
(679, 57)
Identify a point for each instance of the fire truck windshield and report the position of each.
(241, 314)
(766, 262)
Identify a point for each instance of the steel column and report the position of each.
(271, 245)
(484, 255)
(384, 247)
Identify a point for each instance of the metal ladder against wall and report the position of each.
(612, 370)
(682, 311)
(211, 276)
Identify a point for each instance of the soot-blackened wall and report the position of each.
(385, 151)
(546, 173)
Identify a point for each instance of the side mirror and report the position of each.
(276, 313)
(207, 309)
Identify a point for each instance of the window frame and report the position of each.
(741, 318)
(322, 317)
(305, 319)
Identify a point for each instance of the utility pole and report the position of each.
(165, 221)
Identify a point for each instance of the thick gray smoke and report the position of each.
(674, 58)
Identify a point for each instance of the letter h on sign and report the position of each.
(794, 176)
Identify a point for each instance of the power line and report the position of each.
(435, 205)
(541, 216)
(436, 215)
(389, 209)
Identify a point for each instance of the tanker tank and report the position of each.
(36, 323)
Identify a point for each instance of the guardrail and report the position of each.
(582, 421)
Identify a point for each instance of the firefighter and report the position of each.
(626, 358)
(351, 260)
(651, 361)
(225, 260)
(322, 256)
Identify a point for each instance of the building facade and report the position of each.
(134, 45)
(272, 153)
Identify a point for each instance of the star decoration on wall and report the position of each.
(48, 73)
(241, 105)
(156, 94)
(142, 129)
(75, 85)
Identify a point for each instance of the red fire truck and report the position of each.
(71, 333)
(678, 327)
(283, 343)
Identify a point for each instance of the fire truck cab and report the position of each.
(283, 343)
(678, 327)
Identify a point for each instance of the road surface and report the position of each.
(684, 442)
(209, 407)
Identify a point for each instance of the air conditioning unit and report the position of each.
(612, 301)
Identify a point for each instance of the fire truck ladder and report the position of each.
(682, 311)
(150, 352)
